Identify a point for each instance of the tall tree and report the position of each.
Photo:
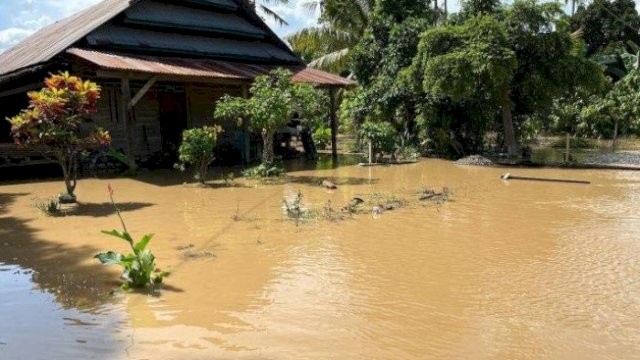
(342, 23)
(607, 23)
(264, 8)
(550, 61)
(462, 67)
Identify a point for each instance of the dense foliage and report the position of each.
(54, 122)
(490, 77)
(197, 149)
(381, 136)
(273, 103)
(605, 24)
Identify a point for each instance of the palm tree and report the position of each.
(263, 8)
(343, 22)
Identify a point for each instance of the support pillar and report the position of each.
(127, 114)
(245, 129)
(333, 118)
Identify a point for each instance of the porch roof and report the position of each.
(205, 68)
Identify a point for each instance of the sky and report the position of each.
(20, 18)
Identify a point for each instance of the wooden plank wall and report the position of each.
(146, 130)
(201, 101)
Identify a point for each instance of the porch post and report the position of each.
(333, 122)
(127, 113)
(245, 129)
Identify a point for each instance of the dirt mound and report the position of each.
(475, 160)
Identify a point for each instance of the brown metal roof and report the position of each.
(52, 40)
(201, 67)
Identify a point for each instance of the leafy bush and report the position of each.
(49, 207)
(407, 152)
(54, 120)
(273, 103)
(139, 265)
(264, 171)
(197, 149)
(382, 135)
(322, 137)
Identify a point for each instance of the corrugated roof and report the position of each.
(172, 15)
(54, 39)
(51, 40)
(125, 38)
(201, 67)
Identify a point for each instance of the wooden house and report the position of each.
(161, 64)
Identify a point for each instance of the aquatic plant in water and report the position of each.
(139, 266)
(264, 171)
(49, 207)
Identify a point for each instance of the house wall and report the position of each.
(146, 129)
(200, 102)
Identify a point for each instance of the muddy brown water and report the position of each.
(505, 270)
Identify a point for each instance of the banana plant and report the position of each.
(138, 266)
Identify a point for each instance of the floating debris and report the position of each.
(192, 255)
(474, 160)
(432, 195)
(508, 176)
(329, 185)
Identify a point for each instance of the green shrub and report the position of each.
(49, 207)
(139, 266)
(381, 134)
(197, 149)
(264, 171)
(322, 137)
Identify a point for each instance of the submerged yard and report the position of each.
(508, 270)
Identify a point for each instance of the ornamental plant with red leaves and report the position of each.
(53, 122)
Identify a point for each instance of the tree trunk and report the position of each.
(567, 154)
(446, 11)
(69, 165)
(268, 155)
(333, 119)
(507, 122)
(614, 144)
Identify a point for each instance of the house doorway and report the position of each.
(173, 121)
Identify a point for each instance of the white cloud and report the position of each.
(67, 7)
(11, 36)
(31, 15)
(296, 13)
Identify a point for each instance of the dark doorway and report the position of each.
(173, 121)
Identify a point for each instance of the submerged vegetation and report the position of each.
(139, 268)
(49, 207)
(197, 149)
(264, 171)
(273, 103)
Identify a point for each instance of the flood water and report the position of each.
(504, 270)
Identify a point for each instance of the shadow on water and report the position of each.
(339, 181)
(103, 209)
(55, 301)
(57, 269)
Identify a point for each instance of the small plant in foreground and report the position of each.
(138, 266)
(293, 208)
(264, 171)
(49, 207)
